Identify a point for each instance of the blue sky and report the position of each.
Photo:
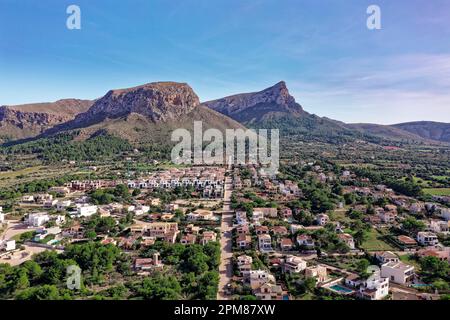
(331, 62)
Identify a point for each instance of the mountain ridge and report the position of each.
(148, 112)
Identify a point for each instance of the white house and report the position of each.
(2, 217)
(259, 277)
(445, 214)
(322, 219)
(265, 242)
(62, 205)
(427, 238)
(10, 245)
(305, 240)
(28, 198)
(59, 220)
(37, 219)
(244, 259)
(374, 288)
(86, 210)
(438, 226)
(241, 217)
(294, 264)
(200, 214)
(386, 256)
(397, 272)
(257, 217)
(140, 210)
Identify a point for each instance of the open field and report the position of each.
(437, 191)
(18, 173)
(374, 242)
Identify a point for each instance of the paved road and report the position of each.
(226, 268)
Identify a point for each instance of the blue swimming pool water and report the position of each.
(339, 288)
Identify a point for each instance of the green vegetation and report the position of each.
(375, 242)
(44, 277)
(63, 146)
(196, 268)
(105, 196)
(437, 191)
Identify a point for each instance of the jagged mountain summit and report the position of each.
(146, 113)
(255, 107)
(276, 108)
(149, 113)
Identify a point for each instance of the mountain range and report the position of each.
(148, 113)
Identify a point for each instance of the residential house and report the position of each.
(257, 217)
(241, 217)
(188, 239)
(406, 241)
(190, 228)
(322, 219)
(286, 244)
(441, 254)
(259, 277)
(244, 264)
(265, 242)
(279, 230)
(387, 217)
(347, 239)
(37, 219)
(86, 210)
(353, 281)
(28, 199)
(243, 230)
(208, 236)
(374, 288)
(200, 214)
(147, 264)
(261, 230)
(244, 241)
(269, 291)
(318, 272)
(427, 238)
(244, 259)
(50, 203)
(397, 272)
(267, 212)
(63, 205)
(305, 240)
(286, 213)
(293, 264)
(438, 226)
(386, 256)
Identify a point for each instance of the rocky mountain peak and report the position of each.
(243, 107)
(158, 101)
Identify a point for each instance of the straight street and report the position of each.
(226, 268)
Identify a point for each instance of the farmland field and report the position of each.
(437, 191)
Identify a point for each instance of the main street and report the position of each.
(226, 226)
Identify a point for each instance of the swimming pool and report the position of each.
(340, 289)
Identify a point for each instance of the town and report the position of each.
(314, 231)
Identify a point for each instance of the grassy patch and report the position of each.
(437, 191)
(23, 172)
(374, 242)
